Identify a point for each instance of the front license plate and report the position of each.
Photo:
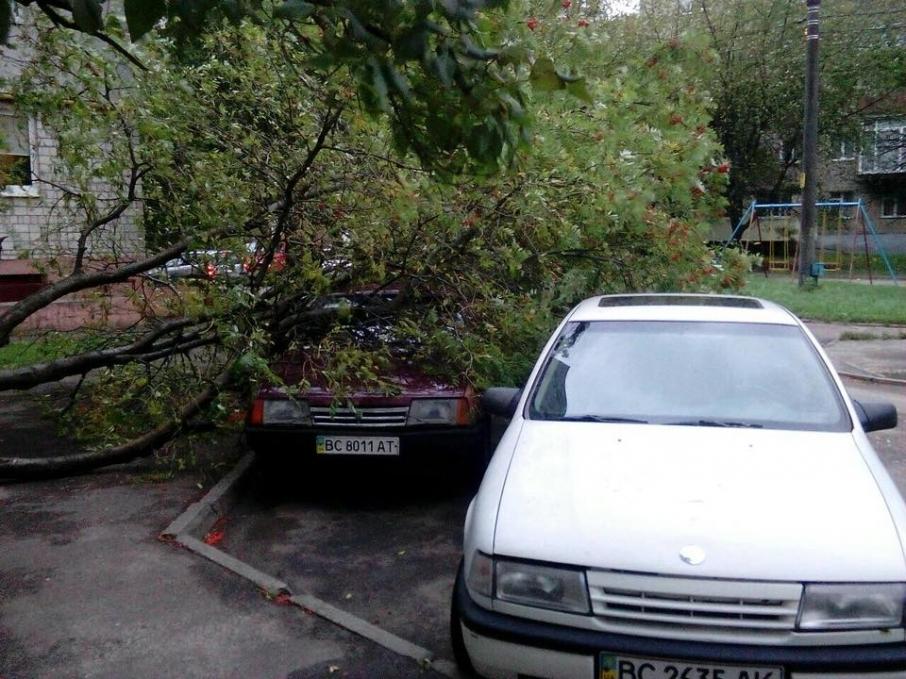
(357, 445)
(625, 667)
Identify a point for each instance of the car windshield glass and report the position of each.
(688, 373)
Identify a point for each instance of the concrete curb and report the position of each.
(215, 504)
(872, 378)
(200, 516)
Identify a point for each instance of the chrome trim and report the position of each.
(629, 602)
(394, 416)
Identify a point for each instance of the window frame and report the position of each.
(869, 163)
(840, 150)
(23, 190)
(899, 207)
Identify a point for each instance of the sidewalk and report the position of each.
(868, 351)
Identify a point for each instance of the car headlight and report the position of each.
(285, 411)
(439, 411)
(852, 606)
(560, 589)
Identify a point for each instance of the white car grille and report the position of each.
(360, 417)
(640, 604)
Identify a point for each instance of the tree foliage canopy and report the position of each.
(757, 79)
(255, 139)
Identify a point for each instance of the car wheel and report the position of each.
(460, 654)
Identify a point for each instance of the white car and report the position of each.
(685, 491)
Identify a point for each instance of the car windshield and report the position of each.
(688, 373)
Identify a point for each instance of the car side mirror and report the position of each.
(876, 416)
(501, 401)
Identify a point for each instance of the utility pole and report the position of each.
(810, 146)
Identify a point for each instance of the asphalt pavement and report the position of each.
(87, 590)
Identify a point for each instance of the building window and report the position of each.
(15, 153)
(884, 151)
(842, 197)
(893, 207)
(843, 149)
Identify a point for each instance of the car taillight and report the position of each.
(256, 412)
(210, 270)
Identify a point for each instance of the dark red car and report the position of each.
(426, 422)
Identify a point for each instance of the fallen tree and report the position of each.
(248, 143)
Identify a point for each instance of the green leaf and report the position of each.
(514, 54)
(579, 89)
(6, 20)
(398, 80)
(373, 90)
(476, 52)
(444, 66)
(141, 15)
(544, 76)
(294, 10)
(87, 15)
(412, 44)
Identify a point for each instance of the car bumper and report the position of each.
(504, 647)
(428, 445)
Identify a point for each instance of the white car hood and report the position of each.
(762, 504)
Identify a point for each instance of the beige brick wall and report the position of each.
(43, 225)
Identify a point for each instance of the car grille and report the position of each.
(360, 417)
(639, 603)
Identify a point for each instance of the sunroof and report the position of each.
(680, 300)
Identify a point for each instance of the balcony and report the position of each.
(884, 148)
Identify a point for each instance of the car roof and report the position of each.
(682, 307)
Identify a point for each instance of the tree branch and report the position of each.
(76, 282)
(142, 446)
(39, 373)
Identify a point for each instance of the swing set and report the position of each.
(842, 233)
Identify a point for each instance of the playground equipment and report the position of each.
(772, 231)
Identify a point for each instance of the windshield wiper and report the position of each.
(598, 418)
(715, 423)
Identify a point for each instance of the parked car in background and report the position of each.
(685, 491)
(419, 421)
(200, 264)
(213, 264)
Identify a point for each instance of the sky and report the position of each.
(623, 6)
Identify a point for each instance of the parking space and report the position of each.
(380, 546)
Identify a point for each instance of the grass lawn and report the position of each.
(23, 351)
(833, 300)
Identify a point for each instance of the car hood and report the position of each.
(762, 504)
(405, 379)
